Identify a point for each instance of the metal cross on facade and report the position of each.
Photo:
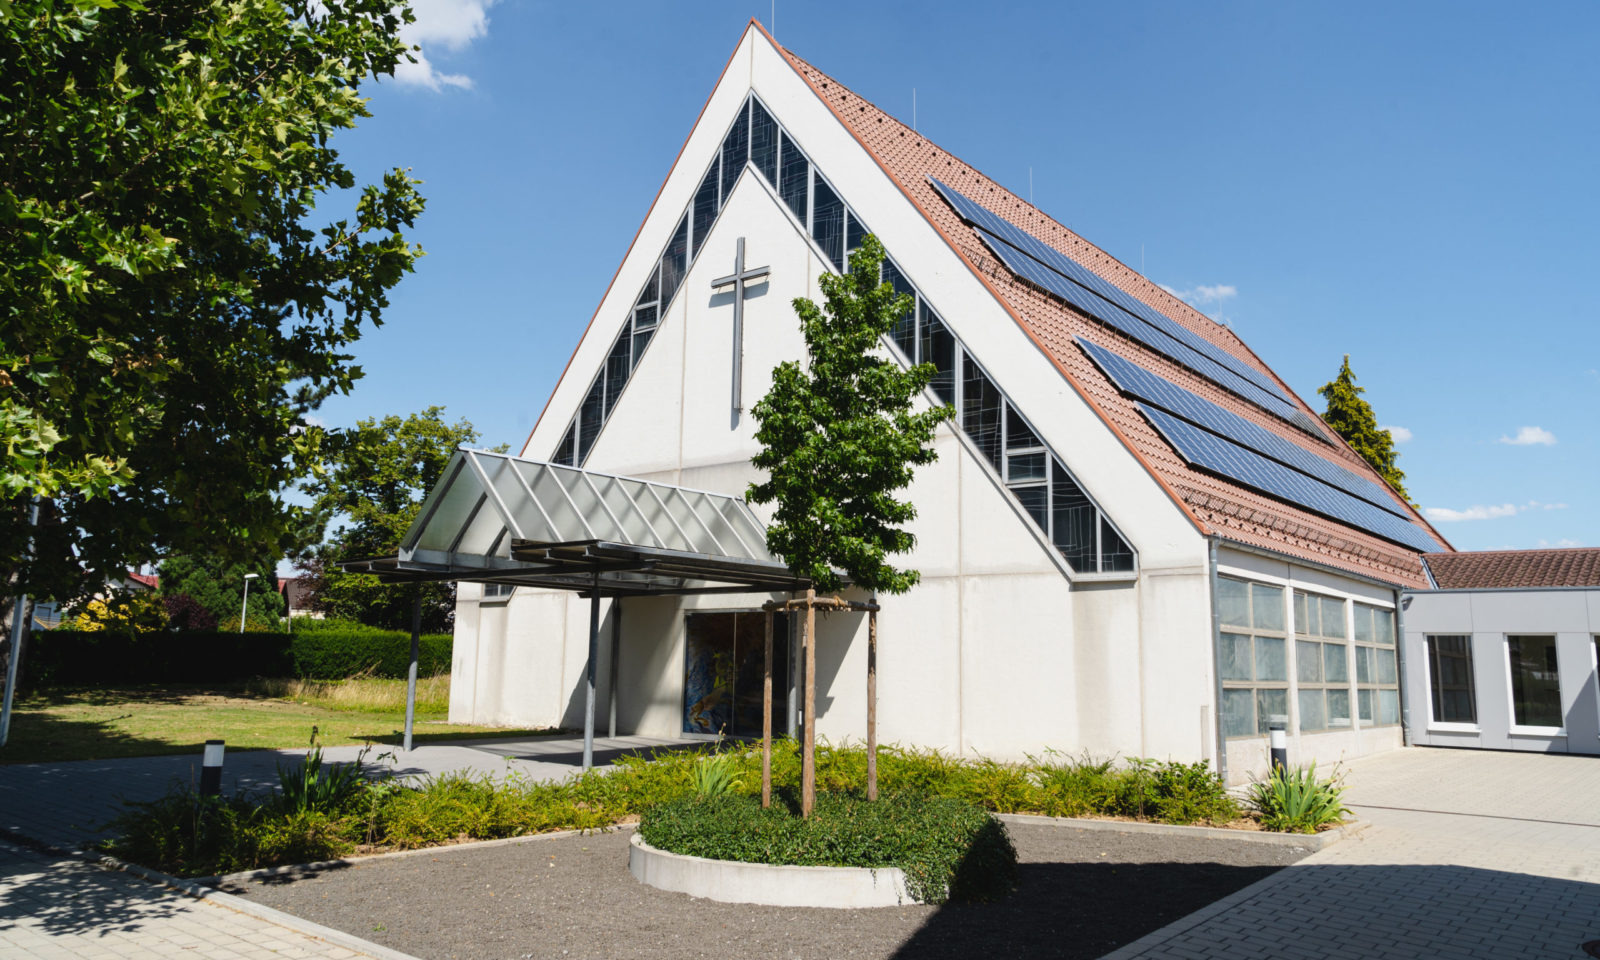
(737, 281)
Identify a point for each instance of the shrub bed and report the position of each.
(317, 650)
(948, 848)
(382, 814)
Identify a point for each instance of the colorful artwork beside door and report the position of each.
(722, 673)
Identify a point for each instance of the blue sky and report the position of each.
(1411, 184)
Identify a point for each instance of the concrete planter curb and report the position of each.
(1304, 841)
(773, 885)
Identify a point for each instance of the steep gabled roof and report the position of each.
(1216, 504)
(1511, 569)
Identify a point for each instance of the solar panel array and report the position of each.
(1037, 262)
(1135, 380)
(1218, 455)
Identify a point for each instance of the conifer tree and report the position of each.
(1351, 417)
(839, 436)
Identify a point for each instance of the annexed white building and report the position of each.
(1136, 540)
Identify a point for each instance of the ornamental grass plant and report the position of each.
(1294, 801)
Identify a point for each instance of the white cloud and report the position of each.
(1204, 294)
(1398, 434)
(1489, 512)
(1563, 542)
(1531, 436)
(450, 25)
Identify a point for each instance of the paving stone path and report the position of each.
(1471, 854)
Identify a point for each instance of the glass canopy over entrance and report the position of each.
(494, 518)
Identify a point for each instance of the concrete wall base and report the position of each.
(767, 884)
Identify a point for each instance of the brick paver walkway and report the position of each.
(1471, 854)
(53, 908)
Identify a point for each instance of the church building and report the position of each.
(1136, 539)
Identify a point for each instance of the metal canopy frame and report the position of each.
(495, 518)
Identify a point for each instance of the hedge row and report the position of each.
(327, 651)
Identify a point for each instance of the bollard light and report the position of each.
(1278, 738)
(211, 769)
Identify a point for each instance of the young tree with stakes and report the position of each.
(1351, 417)
(839, 436)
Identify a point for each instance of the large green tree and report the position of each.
(218, 587)
(1351, 417)
(840, 436)
(175, 296)
(377, 477)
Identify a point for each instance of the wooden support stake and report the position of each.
(808, 755)
(766, 718)
(872, 705)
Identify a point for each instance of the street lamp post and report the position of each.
(244, 604)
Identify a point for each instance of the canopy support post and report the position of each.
(616, 649)
(872, 702)
(766, 717)
(411, 669)
(588, 673)
(808, 755)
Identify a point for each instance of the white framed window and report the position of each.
(1322, 662)
(1533, 670)
(1253, 656)
(1377, 672)
(1452, 685)
(497, 591)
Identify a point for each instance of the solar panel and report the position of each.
(1169, 333)
(980, 216)
(1038, 274)
(1139, 382)
(1218, 455)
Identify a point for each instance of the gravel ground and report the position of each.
(1081, 893)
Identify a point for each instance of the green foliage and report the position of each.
(378, 475)
(317, 650)
(931, 798)
(1295, 801)
(307, 787)
(948, 848)
(217, 584)
(839, 436)
(335, 649)
(713, 776)
(1351, 417)
(173, 307)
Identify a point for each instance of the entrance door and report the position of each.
(722, 672)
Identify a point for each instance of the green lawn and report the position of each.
(97, 724)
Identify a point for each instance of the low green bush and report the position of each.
(948, 848)
(1295, 801)
(335, 649)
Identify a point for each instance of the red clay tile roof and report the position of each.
(1501, 569)
(1215, 504)
(149, 580)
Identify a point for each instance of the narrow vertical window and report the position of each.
(566, 450)
(827, 221)
(1535, 683)
(675, 262)
(854, 233)
(590, 416)
(939, 349)
(764, 143)
(980, 413)
(618, 366)
(1450, 680)
(704, 209)
(1377, 668)
(1321, 658)
(1073, 516)
(904, 333)
(794, 179)
(735, 152)
(1115, 554)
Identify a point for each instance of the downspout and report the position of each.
(1216, 658)
(1400, 666)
